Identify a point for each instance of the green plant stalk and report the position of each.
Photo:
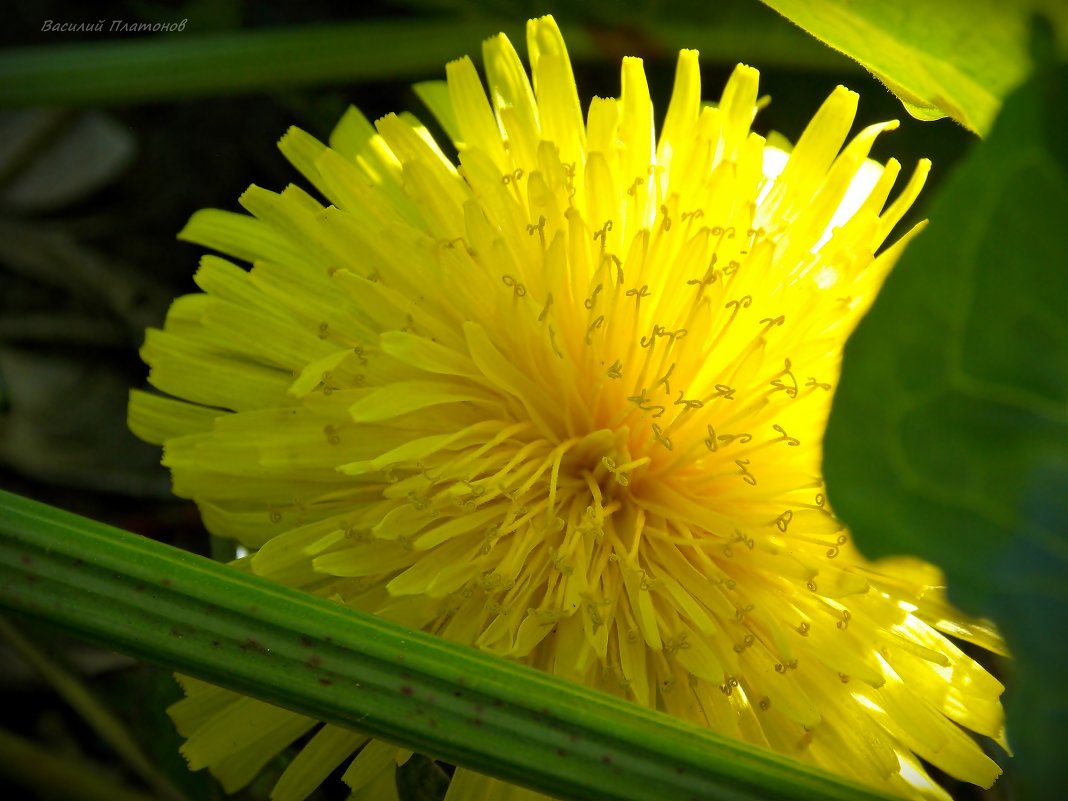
(184, 65)
(331, 663)
(97, 715)
(60, 776)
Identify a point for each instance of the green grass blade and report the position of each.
(185, 65)
(330, 662)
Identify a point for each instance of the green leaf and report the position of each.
(418, 691)
(955, 58)
(949, 432)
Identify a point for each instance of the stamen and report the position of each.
(597, 323)
(665, 223)
(789, 388)
(661, 437)
(545, 310)
(812, 382)
(552, 342)
(746, 643)
(660, 331)
(540, 228)
(709, 278)
(612, 257)
(638, 294)
(771, 322)
(747, 477)
(791, 441)
(518, 290)
(512, 177)
(665, 379)
(644, 403)
(569, 175)
(742, 303)
(602, 235)
(591, 301)
(689, 404)
(729, 438)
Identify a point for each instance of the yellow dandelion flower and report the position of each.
(564, 402)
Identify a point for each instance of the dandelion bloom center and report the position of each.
(564, 402)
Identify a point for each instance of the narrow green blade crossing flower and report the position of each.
(177, 609)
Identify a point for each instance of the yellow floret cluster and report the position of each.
(563, 402)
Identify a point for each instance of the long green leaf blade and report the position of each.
(329, 662)
(189, 65)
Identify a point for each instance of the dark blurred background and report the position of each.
(90, 201)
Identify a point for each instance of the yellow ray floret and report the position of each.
(563, 401)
